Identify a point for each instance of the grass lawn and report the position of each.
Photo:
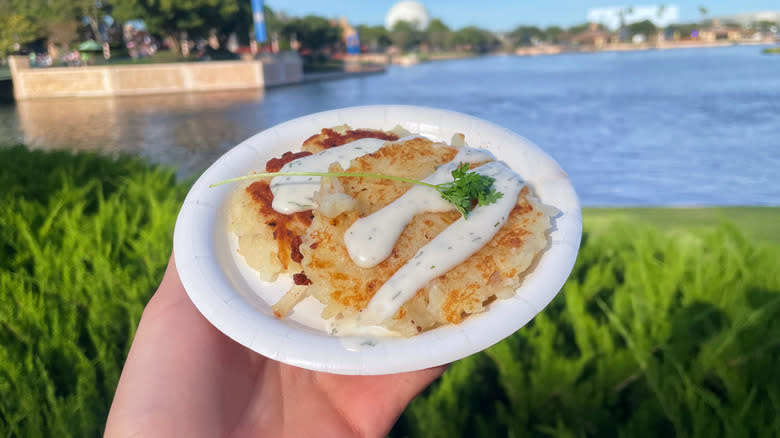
(760, 223)
(668, 326)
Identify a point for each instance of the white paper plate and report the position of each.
(230, 295)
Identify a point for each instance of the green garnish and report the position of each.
(467, 190)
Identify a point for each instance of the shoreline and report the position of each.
(631, 47)
(553, 49)
(338, 75)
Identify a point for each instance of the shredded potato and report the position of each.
(325, 271)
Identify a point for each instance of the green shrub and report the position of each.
(83, 243)
(656, 333)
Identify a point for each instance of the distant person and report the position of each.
(183, 377)
(52, 50)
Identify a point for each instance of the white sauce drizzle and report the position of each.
(371, 239)
(355, 336)
(450, 248)
(293, 194)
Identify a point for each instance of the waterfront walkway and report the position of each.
(335, 75)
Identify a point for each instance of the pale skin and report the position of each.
(185, 378)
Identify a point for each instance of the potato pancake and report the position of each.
(267, 239)
(326, 271)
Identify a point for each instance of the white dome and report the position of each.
(410, 11)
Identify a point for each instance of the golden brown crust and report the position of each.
(394, 160)
(286, 229)
(310, 245)
(493, 271)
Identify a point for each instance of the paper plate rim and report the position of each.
(218, 286)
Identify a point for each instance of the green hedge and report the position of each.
(656, 333)
(83, 243)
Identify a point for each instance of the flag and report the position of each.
(259, 19)
(353, 43)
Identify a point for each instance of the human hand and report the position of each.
(183, 377)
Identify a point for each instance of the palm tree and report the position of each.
(623, 13)
(660, 11)
(660, 16)
(703, 12)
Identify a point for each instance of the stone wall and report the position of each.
(124, 80)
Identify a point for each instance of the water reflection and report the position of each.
(188, 131)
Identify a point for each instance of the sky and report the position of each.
(502, 15)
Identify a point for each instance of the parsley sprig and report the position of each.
(466, 191)
(469, 189)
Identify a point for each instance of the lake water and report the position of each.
(674, 127)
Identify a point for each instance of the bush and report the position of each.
(84, 240)
(656, 332)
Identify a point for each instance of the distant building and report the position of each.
(751, 19)
(409, 11)
(719, 32)
(715, 34)
(594, 37)
(661, 16)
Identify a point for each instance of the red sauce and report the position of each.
(287, 229)
(275, 164)
(333, 138)
(301, 279)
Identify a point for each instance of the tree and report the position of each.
(405, 35)
(474, 39)
(660, 14)
(375, 37)
(62, 33)
(438, 35)
(553, 34)
(623, 31)
(15, 29)
(44, 16)
(273, 25)
(23, 21)
(765, 26)
(168, 18)
(644, 27)
(703, 12)
(91, 13)
(313, 32)
(525, 35)
(240, 22)
(661, 10)
(579, 28)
